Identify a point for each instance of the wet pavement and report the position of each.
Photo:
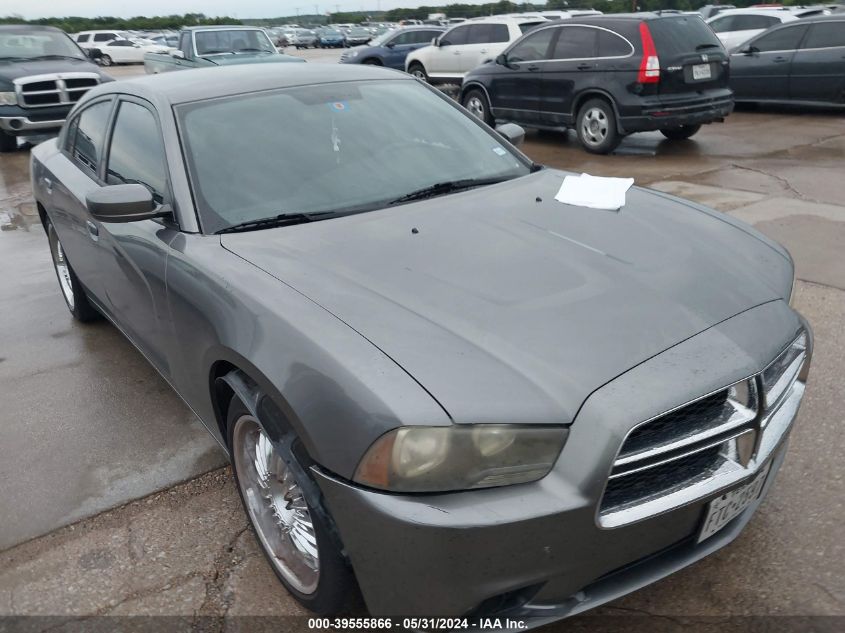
(89, 425)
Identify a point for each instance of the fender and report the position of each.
(283, 439)
(597, 92)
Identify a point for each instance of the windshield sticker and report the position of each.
(500, 150)
(339, 106)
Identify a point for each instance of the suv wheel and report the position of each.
(680, 133)
(476, 102)
(8, 143)
(418, 71)
(596, 127)
(105, 60)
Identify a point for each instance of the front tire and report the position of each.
(596, 127)
(476, 102)
(8, 143)
(294, 538)
(418, 70)
(680, 133)
(72, 290)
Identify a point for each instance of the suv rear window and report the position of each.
(682, 35)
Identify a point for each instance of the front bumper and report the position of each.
(19, 121)
(538, 550)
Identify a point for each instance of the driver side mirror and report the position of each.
(177, 54)
(749, 50)
(123, 203)
(390, 45)
(502, 60)
(512, 132)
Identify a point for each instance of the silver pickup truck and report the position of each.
(204, 46)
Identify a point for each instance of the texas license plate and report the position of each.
(731, 504)
(701, 71)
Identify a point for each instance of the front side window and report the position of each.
(403, 38)
(724, 24)
(455, 37)
(532, 47)
(136, 153)
(185, 44)
(104, 37)
(356, 146)
(785, 39)
(826, 35)
(90, 131)
(575, 42)
(424, 37)
(753, 22)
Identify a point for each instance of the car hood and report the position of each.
(508, 306)
(257, 58)
(13, 69)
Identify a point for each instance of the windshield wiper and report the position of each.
(252, 50)
(79, 59)
(284, 219)
(701, 46)
(449, 186)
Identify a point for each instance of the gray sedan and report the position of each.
(434, 380)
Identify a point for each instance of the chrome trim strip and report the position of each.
(27, 124)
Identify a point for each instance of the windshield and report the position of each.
(232, 42)
(31, 44)
(333, 147)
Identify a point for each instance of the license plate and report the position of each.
(731, 504)
(701, 71)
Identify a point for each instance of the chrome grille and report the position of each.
(52, 90)
(714, 438)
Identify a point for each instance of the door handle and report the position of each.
(533, 68)
(779, 60)
(584, 66)
(483, 50)
(48, 184)
(93, 230)
(456, 52)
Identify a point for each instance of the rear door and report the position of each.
(691, 57)
(133, 255)
(484, 42)
(762, 72)
(74, 174)
(515, 91)
(818, 67)
(573, 53)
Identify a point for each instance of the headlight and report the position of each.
(353, 53)
(8, 98)
(778, 376)
(460, 457)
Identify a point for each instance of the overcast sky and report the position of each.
(236, 8)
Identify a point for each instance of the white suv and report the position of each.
(465, 46)
(93, 39)
(736, 26)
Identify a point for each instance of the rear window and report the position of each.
(488, 33)
(681, 35)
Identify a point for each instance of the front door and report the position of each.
(573, 54)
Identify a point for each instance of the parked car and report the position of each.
(96, 39)
(392, 48)
(607, 77)
(735, 26)
(799, 62)
(42, 74)
(358, 36)
(168, 40)
(330, 38)
(414, 355)
(217, 46)
(463, 47)
(711, 10)
(128, 51)
(304, 38)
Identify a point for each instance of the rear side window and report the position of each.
(455, 36)
(785, 39)
(90, 131)
(527, 26)
(488, 33)
(136, 154)
(723, 24)
(751, 22)
(575, 42)
(403, 38)
(826, 35)
(104, 37)
(613, 45)
(681, 35)
(533, 47)
(83, 38)
(424, 37)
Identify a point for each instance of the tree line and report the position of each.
(74, 24)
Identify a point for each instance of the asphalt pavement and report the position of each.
(89, 425)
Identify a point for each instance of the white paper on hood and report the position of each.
(594, 192)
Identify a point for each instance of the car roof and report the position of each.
(499, 20)
(17, 28)
(215, 27)
(223, 81)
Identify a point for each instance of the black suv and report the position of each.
(607, 76)
(42, 74)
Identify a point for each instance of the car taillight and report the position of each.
(650, 64)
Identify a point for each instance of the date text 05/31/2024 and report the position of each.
(418, 623)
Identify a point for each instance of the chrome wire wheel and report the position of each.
(276, 506)
(62, 268)
(476, 107)
(594, 126)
